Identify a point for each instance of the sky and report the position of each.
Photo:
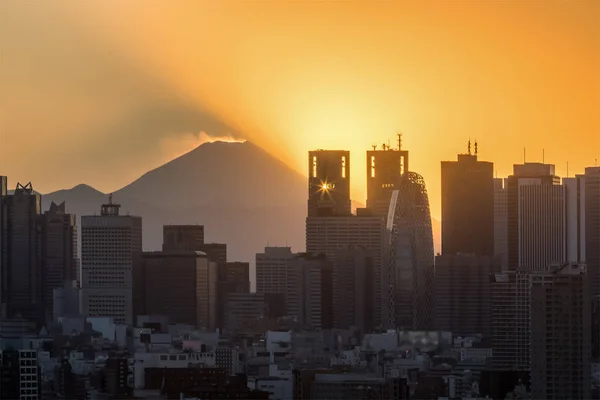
(101, 91)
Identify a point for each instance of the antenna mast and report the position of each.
(475, 146)
(399, 135)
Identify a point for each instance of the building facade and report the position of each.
(468, 206)
(111, 249)
(329, 183)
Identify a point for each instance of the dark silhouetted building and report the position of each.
(234, 277)
(179, 284)
(468, 206)
(59, 252)
(23, 275)
(328, 183)
(592, 227)
(20, 376)
(384, 169)
(409, 257)
(353, 284)
(309, 291)
(183, 237)
(462, 300)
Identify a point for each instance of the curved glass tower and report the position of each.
(410, 256)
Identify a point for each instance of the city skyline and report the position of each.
(440, 77)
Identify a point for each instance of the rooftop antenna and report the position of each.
(469, 147)
(399, 135)
(524, 155)
(544, 158)
(383, 146)
(374, 146)
(475, 146)
(595, 162)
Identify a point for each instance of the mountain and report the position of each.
(241, 194)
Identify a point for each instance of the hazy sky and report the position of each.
(101, 91)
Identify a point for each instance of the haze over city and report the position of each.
(101, 92)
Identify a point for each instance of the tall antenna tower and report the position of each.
(399, 136)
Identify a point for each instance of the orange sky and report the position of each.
(101, 91)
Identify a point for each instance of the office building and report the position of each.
(536, 217)
(541, 323)
(308, 296)
(183, 237)
(111, 248)
(181, 285)
(591, 243)
(328, 235)
(329, 183)
(560, 333)
(500, 221)
(272, 270)
(241, 309)
(233, 277)
(384, 169)
(409, 258)
(468, 205)
(353, 284)
(20, 375)
(23, 276)
(462, 300)
(59, 252)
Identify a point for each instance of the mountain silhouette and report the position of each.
(241, 194)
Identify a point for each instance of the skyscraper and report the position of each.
(536, 223)
(308, 295)
(500, 221)
(592, 227)
(330, 234)
(409, 268)
(111, 249)
(59, 251)
(468, 205)
(353, 284)
(329, 183)
(24, 277)
(384, 169)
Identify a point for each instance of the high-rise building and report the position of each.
(181, 285)
(59, 252)
(23, 276)
(329, 183)
(111, 249)
(384, 169)
(233, 277)
(536, 207)
(353, 284)
(541, 323)
(3, 245)
(462, 300)
(591, 244)
(500, 221)
(329, 235)
(468, 205)
(308, 296)
(272, 270)
(560, 322)
(409, 258)
(183, 237)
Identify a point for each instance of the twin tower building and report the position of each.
(383, 255)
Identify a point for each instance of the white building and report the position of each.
(111, 244)
(28, 373)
